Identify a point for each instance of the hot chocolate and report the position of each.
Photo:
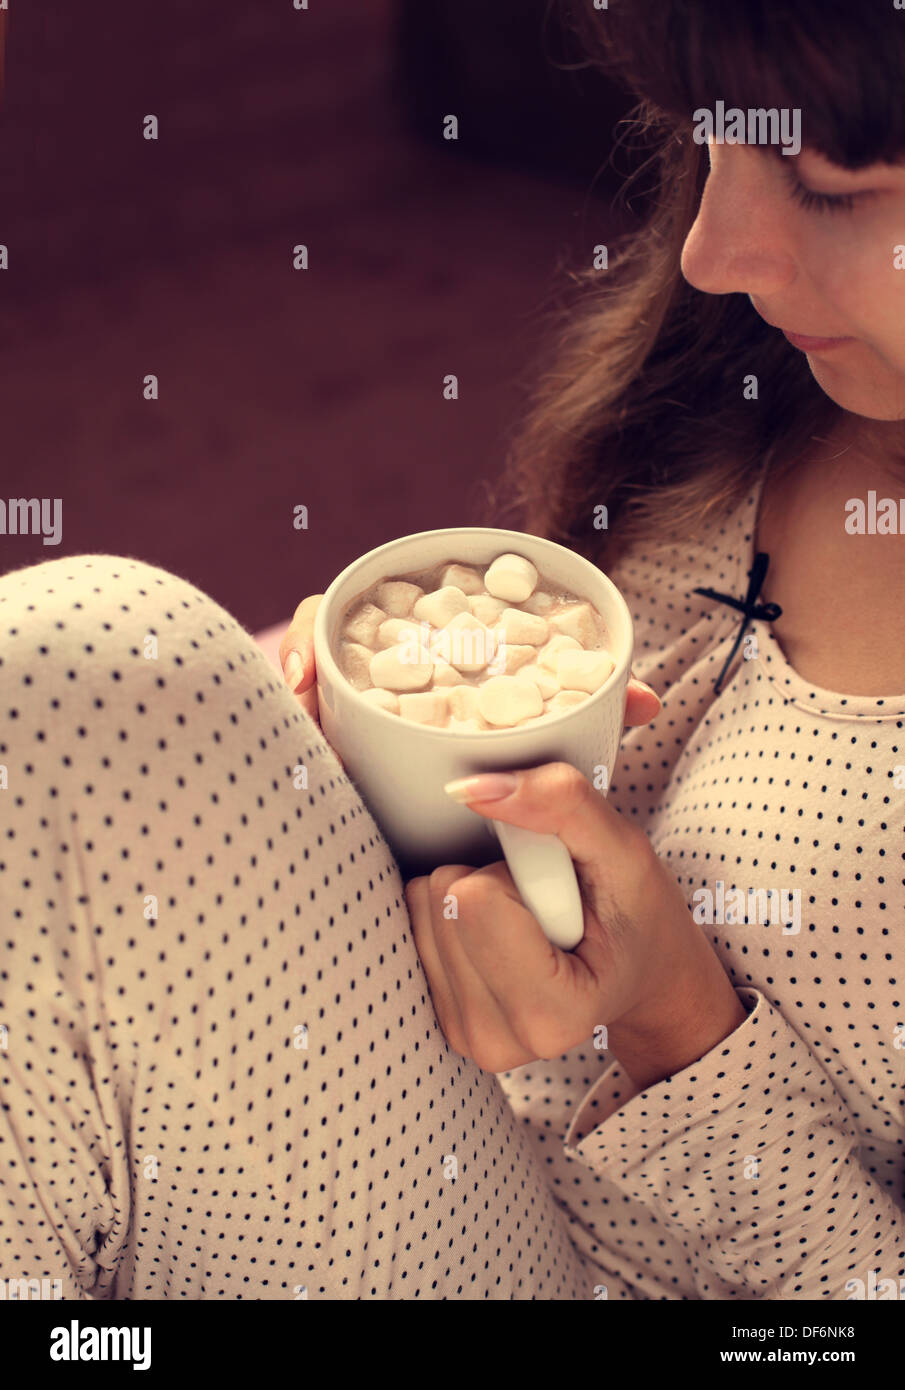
(473, 647)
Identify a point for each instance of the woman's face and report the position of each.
(825, 270)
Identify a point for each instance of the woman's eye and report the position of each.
(822, 202)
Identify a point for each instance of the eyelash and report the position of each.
(821, 202)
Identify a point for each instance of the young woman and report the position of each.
(237, 1067)
(732, 386)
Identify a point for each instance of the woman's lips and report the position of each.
(805, 341)
(806, 344)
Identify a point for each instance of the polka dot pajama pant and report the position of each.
(222, 1073)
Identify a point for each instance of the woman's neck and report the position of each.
(843, 620)
(857, 444)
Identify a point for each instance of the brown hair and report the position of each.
(642, 408)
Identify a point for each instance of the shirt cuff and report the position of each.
(607, 1130)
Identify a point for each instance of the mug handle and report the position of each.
(544, 875)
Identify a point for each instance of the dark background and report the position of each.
(280, 387)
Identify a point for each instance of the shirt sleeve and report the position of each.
(752, 1155)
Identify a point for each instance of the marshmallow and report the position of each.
(566, 699)
(383, 699)
(463, 703)
(512, 656)
(394, 630)
(523, 627)
(545, 680)
(462, 577)
(414, 650)
(486, 608)
(583, 670)
(504, 700)
(355, 664)
(540, 603)
(396, 597)
(390, 669)
(511, 577)
(577, 620)
(444, 674)
(467, 726)
(547, 656)
(362, 625)
(427, 708)
(441, 606)
(464, 642)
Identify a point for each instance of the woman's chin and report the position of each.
(880, 398)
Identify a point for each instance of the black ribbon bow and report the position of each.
(748, 607)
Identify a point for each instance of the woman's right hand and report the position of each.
(297, 655)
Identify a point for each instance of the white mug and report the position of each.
(400, 767)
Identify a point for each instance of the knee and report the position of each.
(109, 618)
(45, 595)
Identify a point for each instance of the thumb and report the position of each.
(555, 799)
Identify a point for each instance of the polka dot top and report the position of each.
(777, 1161)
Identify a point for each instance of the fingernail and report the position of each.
(642, 685)
(293, 670)
(489, 786)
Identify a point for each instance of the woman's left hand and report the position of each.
(504, 995)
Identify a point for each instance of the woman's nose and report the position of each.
(740, 241)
